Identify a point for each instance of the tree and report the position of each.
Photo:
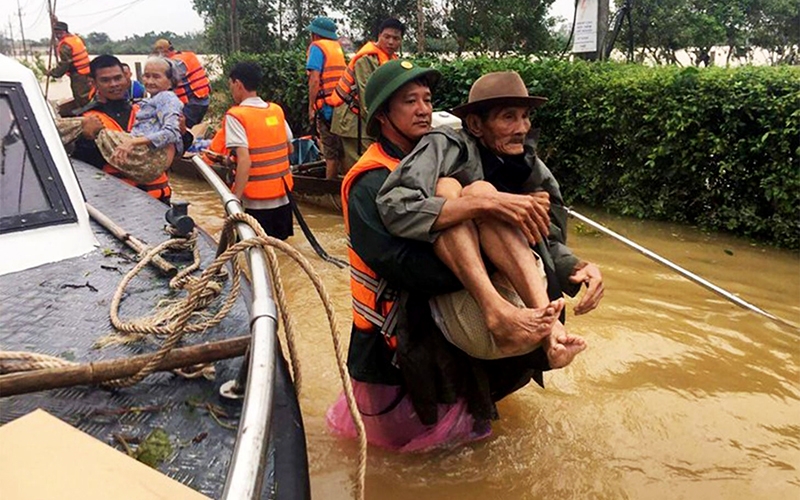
(661, 27)
(777, 28)
(501, 25)
(257, 25)
(366, 16)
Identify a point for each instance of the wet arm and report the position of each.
(64, 62)
(406, 264)
(406, 201)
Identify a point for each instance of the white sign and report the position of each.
(585, 27)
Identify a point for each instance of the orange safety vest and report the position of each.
(375, 305)
(80, 56)
(332, 70)
(159, 188)
(346, 91)
(267, 144)
(195, 81)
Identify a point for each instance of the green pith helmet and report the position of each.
(386, 80)
(324, 27)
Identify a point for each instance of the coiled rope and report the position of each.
(174, 320)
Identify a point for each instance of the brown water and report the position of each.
(681, 394)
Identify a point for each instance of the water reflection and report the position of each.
(681, 394)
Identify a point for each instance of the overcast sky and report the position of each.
(122, 18)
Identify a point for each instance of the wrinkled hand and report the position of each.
(589, 275)
(120, 155)
(91, 126)
(529, 212)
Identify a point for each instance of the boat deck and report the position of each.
(62, 309)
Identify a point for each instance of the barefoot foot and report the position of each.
(562, 347)
(521, 329)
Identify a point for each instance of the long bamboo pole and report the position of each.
(52, 9)
(683, 272)
(103, 371)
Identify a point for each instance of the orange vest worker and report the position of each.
(80, 56)
(269, 151)
(159, 188)
(374, 303)
(346, 90)
(335, 67)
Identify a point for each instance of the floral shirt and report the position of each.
(158, 119)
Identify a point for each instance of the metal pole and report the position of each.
(22, 32)
(683, 272)
(246, 470)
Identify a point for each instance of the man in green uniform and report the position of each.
(349, 116)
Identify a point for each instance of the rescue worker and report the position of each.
(349, 117)
(111, 109)
(73, 60)
(193, 87)
(415, 390)
(136, 90)
(325, 66)
(256, 133)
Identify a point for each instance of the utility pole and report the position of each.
(235, 46)
(11, 37)
(22, 32)
(420, 26)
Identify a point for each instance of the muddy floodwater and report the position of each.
(681, 394)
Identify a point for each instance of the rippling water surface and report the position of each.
(681, 394)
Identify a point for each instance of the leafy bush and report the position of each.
(718, 148)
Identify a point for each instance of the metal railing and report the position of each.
(246, 470)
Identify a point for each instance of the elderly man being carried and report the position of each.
(483, 192)
(415, 389)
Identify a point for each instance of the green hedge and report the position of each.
(717, 148)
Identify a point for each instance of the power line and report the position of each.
(114, 15)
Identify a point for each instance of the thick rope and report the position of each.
(19, 361)
(173, 321)
(267, 242)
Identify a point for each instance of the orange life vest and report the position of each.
(195, 81)
(346, 91)
(332, 70)
(159, 188)
(267, 144)
(80, 56)
(217, 145)
(375, 305)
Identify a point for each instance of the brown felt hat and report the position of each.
(503, 88)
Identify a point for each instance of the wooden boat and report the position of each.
(58, 274)
(311, 186)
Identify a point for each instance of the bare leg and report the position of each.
(331, 169)
(459, 248)
(508, 249)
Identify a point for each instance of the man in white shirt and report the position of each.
(256, 132)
